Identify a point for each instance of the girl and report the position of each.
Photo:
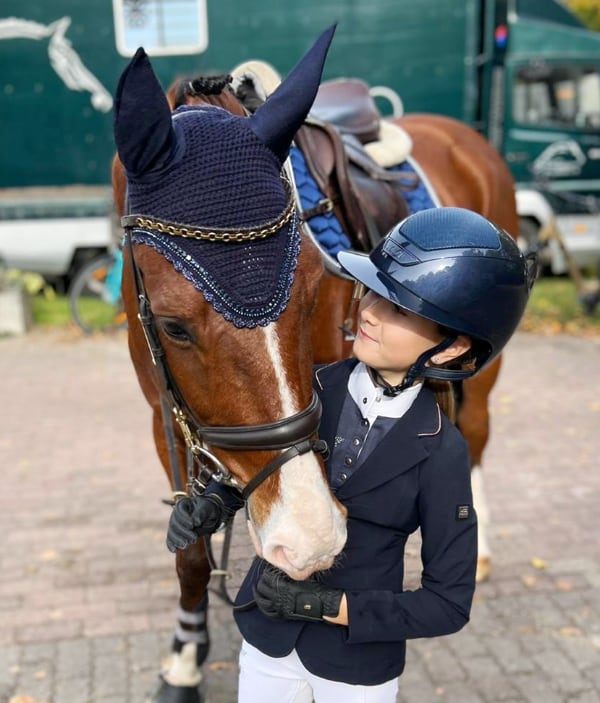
(446, 290)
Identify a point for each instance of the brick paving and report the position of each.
(88, 591)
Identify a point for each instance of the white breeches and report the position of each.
(265, 679)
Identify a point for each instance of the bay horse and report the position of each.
(464, 170)
(219, 286)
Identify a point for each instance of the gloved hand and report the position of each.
(279, 597)
(193, 517)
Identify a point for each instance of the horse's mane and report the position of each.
(210, 89)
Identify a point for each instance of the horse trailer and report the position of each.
(525, 73)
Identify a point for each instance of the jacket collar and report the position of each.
(401, 448)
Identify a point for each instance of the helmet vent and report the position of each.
(454, 228)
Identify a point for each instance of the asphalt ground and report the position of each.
(88, 589)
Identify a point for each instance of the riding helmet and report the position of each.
(454, 267)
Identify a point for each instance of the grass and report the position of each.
(553, 308)
(55, 311)
(51, 312)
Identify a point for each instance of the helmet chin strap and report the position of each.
(416, 371)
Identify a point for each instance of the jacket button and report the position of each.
(344, 477)
(348, 461)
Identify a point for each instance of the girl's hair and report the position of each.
(445, 395)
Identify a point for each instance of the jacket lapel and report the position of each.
(400, 449)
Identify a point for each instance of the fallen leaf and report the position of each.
(40, 675)
(49, 555)
(570, 632)
(538, 563)
(564, 585)
(529, 580)
(222, 666)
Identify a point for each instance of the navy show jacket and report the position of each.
(417, 477)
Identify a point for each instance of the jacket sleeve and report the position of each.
(448, 523)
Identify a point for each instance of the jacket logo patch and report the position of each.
(463, 512)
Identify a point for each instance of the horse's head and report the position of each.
(216, 250)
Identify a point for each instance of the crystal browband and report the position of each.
(214, 235)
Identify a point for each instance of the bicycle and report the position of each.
(95, 295)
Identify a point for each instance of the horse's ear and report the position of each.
(143, 128)
(277, 121)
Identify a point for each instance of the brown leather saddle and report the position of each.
(366, 198)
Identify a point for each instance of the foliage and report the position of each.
(588, 12)
(32, 283)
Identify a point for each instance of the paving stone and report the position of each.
(88, 591)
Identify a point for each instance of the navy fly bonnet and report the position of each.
(206, 188)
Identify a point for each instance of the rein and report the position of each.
(294, 434)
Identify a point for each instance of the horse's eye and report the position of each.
(176, 331)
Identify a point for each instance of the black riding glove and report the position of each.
(193, 517)
(281, 598)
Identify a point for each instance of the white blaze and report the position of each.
(305, 529)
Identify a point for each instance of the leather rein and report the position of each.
(294, 435)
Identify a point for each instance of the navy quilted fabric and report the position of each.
(327, 228)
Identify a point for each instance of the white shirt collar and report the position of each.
(370, 399)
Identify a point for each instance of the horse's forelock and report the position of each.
(209, 90)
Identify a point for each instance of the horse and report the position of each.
(463, 169)
(219, 296)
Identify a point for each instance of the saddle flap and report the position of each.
(348, 104)
(366, 199)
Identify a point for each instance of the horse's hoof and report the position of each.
(484, 568)
(165, 693)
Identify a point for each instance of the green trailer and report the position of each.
(523, 72)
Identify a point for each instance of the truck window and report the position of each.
(162, 27)
(567, 97)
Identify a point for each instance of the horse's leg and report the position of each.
(181, 679)
(473, 421)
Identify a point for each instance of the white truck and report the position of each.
(54, 231)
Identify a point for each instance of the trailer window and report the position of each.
(162, 27)
(560, 96)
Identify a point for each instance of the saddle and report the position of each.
(366, 198)
(338, 141)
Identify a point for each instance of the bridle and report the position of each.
(294, 435)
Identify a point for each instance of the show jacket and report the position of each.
(417, 477)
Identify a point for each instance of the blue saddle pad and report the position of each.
(326, 228)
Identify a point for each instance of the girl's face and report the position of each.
(390, 339)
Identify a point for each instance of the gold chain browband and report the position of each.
(224, 236)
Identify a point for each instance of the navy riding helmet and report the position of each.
(456, 268)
